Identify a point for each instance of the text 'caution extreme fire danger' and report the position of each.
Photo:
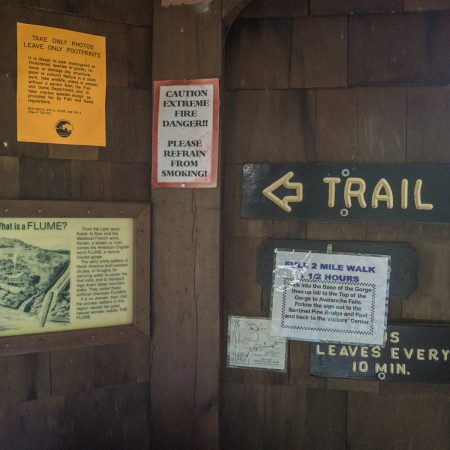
(185, 133)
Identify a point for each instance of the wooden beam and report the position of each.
(185, 359)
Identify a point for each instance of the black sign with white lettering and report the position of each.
(418, 193)
(415, 353)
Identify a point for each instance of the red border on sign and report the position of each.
(211, 181)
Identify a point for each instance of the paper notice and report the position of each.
(61, 86)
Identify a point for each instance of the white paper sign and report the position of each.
(251, 345)
(330, 297)
(185, 130)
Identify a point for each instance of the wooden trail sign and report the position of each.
(402, 192)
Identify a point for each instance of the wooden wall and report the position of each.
(334, 81)
(96, 397)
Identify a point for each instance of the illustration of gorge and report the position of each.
(34, 286)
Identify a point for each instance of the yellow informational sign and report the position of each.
(60, 274)
(61, 86)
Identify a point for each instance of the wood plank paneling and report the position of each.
(319, 52)
(125, 424)
(269, 126)
(426, 5)
(72, 371)
(388, 49)
(56, 400)
(326, 419)
(130, 182)
(381, 125)
(243, 416)
(8, 122)
(121, 364)
(9, 177)
(337, 120)
(284, 418)
(259, 52)
(276, 8)
(426, 425)
(91, 180)
(34, 424)
(384, 122)
(242, 293)
(428, 116)
(128, 115)
(133, 12)
(139, 57)
(45, 179)
(24, 377)
(325, 7)
(439, 47)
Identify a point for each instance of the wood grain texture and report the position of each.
(72, 371)
(24, 378)
(130, 181)
(91, 180)
(126, 363)
(130, 110)
(426, 5)
(332, 7)
(125, 424)
(186, 44)
(388, 49)
(9, 177)
(173, 367)
(337, 120)
(243, 416)
(427, 119)
(57, 399)
(269, 126)
(259, 51)
(275, 8)
(242, 293)
(319, 52)
(34, 423)
(139, 57)
(285, 414)
(326, 419)
(49, 179)
(426, 427)
(381, 125)
(206, 279)
(8, 122)
(232, 8)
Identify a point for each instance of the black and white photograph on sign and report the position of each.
(34, 282)
(250, 344)
(333, 297)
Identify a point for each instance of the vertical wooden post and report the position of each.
(185, 360)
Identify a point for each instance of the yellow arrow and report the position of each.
(284, 202)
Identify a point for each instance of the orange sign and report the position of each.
(61, 86)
